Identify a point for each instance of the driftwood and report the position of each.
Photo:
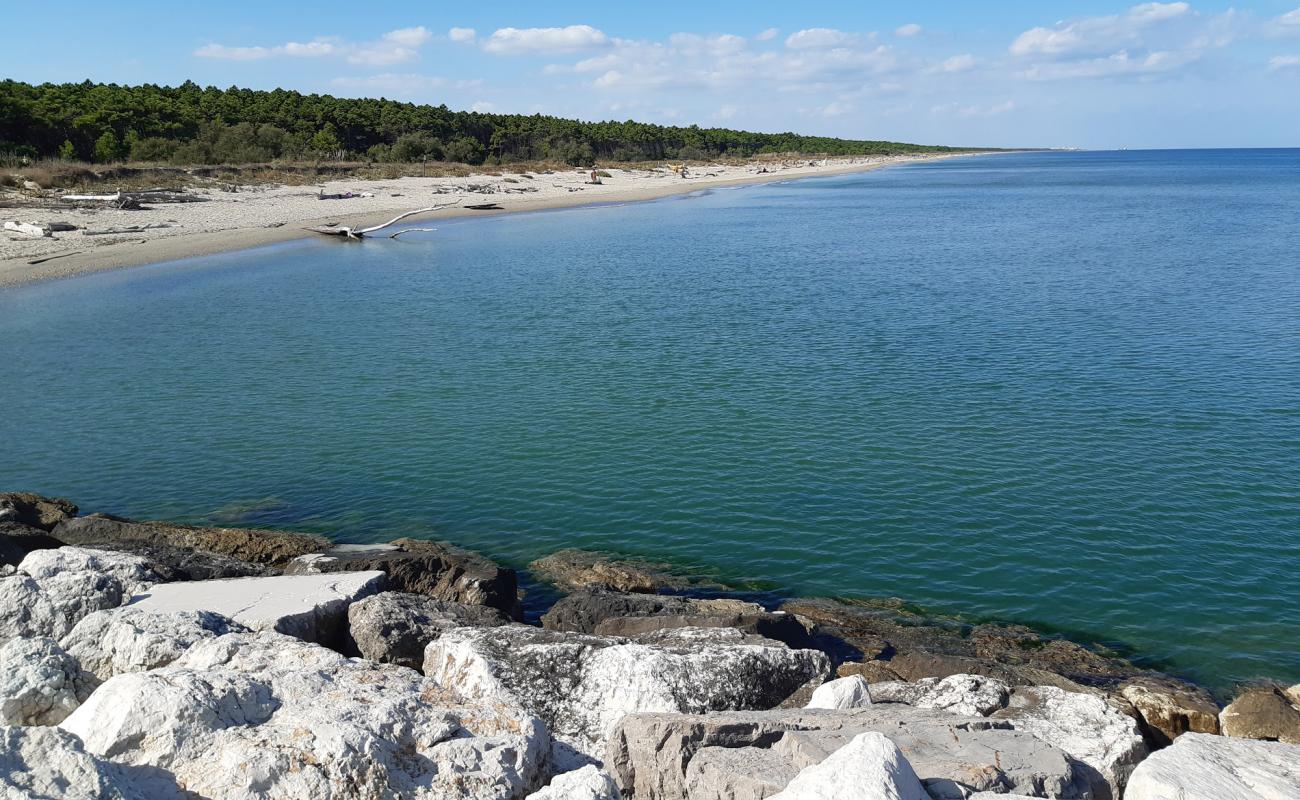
(360, 233)
(485, 207)
(57, 255)
(411, 230)
(128, 229)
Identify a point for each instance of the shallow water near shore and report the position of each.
(1058, 388)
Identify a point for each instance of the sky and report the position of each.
(1050, 74)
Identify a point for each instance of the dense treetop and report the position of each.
(192, 124)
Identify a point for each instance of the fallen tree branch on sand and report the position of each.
(395, 234)
(360, 233)
(128, 229)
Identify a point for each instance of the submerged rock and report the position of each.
(254, 715)
(870, 765)
(437, 570)
(576, 570)
(607, 613)
(271, 548)
(40, 683)
(313, 608)
(582, 685)
(396, 627)
(1202, 767)
(35, 510)
(755, 754)
(1265, 713)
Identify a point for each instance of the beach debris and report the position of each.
(27, 229)
(35, 261)
(485, 207)
(411, 230)
(127, 229)
(360, 233)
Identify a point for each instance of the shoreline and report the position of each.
(285, 212)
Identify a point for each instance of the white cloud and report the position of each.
(483, 107)
(1095, 34)
(972, 111)
(530, 41)
(1116, 65)
(392, 48)
(907, 31)
(958, 63)
(836, 109)
(1283, 62)
(1287, 24)
(726, 112)
(818, 38)
(462, 35)
(768, 35)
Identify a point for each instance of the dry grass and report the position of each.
(71, 175)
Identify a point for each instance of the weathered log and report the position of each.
(27, 229)
(128, 229)
(360, 233)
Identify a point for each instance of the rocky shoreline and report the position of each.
(156, 660)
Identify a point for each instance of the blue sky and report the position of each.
(1088, 74)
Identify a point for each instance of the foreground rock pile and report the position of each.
(151, 660)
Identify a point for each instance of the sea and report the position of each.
(1052, 388)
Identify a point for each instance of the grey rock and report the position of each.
(650, 754)
(40, 683)
(581, 685)
(609, 613)
(1262, 713)
(437, 570)
(841, 694)
(396, 627)
(1199, 766)
(968, 695)
(587, 783)
(17, 540)
(870, 765)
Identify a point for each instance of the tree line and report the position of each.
(192, 124)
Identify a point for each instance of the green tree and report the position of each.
(326, 142)
(67, 152)
(107, 148)
(464, 150)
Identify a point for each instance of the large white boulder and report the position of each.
(869, 766)
(1200, 766)
(582, 685)
(130, 639)
(40, 684)
(54, 589)
(133, 572)
(968, 695)
(1085, 726)
(841, 693)
(255, 715)
(587, 783)
(310, 607)
(40, 763)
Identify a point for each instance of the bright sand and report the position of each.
(262, 215)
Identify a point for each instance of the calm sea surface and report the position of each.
(1056, 388)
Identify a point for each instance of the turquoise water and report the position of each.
(1058, 388)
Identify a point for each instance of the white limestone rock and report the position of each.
(134, 573)
(841, 694)
(129, 639)
(1085, 726)
(40, 763)
(1199, 766)
(587, 783)
(968, 695)
(310, 607)
(26, 610)
(582, 685)
(256, 715)
(40, 684)
(868, 766)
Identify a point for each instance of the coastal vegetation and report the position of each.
(191, 124)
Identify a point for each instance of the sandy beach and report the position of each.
(259, 215)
